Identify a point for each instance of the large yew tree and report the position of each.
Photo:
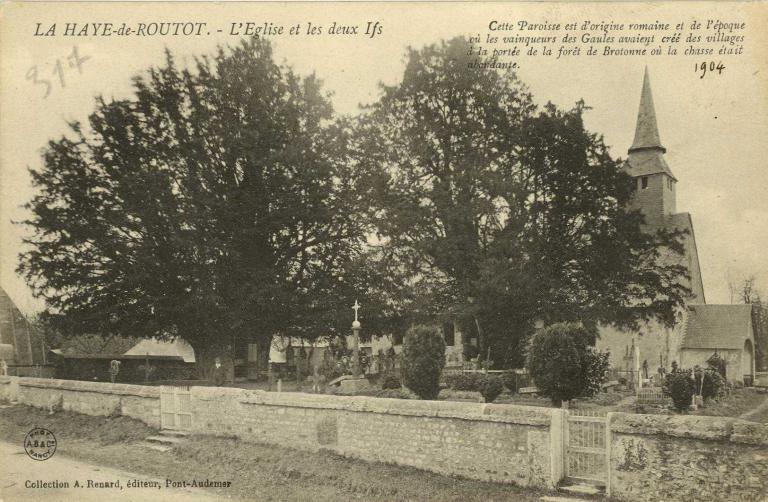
(511, 212)
(217, 202)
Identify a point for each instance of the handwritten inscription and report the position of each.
(74, 61)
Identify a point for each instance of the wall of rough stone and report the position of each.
(480, 441)
(652, 457)
(91, 398)
(9, 388)
(657, 457)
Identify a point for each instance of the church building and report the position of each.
(702, 329)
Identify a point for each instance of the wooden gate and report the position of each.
(175, 408)
(586, 447)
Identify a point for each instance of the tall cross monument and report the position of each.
(356, 343)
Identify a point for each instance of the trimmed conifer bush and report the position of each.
(423, 360)
(679, 385)
(390, 381)
(490, 387)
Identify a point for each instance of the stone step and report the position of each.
(155, 446)
(582, 489)
(560, 499)
(174, 433)
(170, 440)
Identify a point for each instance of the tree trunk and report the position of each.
(205, 357)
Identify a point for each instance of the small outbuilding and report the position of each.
(725, 330)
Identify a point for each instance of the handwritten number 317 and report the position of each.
(74, 61)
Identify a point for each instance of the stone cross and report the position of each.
(356, 307)
(356, 343)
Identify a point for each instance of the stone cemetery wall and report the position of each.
(481, 441)
(90, 398)
(652, 457)
(9, 388)
(659, 457)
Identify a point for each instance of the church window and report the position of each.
(644, 182)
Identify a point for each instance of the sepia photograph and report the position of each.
(383, 251)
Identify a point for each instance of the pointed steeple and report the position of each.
(647, 130)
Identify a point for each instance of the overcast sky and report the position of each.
(714, 128)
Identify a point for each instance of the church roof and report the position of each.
(646, 130)
(683, 221)
(646, 155)
(717, 327)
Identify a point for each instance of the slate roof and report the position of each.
(646, 155)
(646, 130)
(647, 162)
(717, 327)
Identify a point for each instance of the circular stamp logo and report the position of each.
(40, 444)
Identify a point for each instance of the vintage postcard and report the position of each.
(383, 251)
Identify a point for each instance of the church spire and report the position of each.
(646, 131)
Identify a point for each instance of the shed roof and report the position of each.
(717, 327)
(176, 348)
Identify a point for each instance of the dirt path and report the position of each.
(762, 408)
(19, 474)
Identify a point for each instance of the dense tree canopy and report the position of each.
(215, 203)
(511, 212)
(226, 201)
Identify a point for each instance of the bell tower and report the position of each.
(654, 181)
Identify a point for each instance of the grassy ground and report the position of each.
(257, 472)
(739, 402)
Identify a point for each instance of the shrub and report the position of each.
(714, 385)
(458, 395)
(464, 381)
(562, 365)
(509, 379)
(390, 381)
(594, 366)
(398, 393)
(423, 359)
(490, 387)
(717, 362)
(679, 385)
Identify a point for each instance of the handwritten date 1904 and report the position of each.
(705, 68)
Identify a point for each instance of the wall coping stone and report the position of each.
(750, 433)
(691, 427)
(505, 413)
(97, 387)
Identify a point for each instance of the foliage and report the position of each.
(679, 385)
(714, 385)
(390, 381)
(509, 379)
(717, 362)
(216, 202)
(563, 365)
(423, 359)
(90, 344)
(459, 395)
(593, 375)
(463, 381)
(491, 202)
(399, 393)
(490, 387)
(338, 359)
